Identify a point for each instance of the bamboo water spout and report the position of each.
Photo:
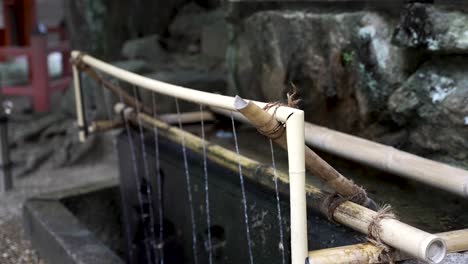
(269, 126)
(367, 253)
(410, 240)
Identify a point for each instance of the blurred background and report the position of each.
(394, 72)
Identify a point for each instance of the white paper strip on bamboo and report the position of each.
(367, 253)
(385, 158)
(413, 241)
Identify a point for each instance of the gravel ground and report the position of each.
(14, 248)
(99, 164)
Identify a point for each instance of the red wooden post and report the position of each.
(39, 71)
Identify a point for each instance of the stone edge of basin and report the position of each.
(58, 235)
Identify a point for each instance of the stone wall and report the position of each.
(393, 72)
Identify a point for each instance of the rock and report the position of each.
(34, 128)
(214, 40)
(106, 25)
(435, 28)
(187, 26)
(343, 65)
(146, 48)
(433, 105)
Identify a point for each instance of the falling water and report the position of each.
(109, 117)
(244, 199)
(207, 200)
(159, 183)
(147, 174)
(137, 180)
(189, 188)
(278, 205)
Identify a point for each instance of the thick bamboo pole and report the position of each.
(367, 253)
(265, 122)
(385, 158)
(117, 90)
(388, 159)
(408, 239)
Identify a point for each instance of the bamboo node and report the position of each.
(374, 230)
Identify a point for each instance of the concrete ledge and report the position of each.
(59, 237)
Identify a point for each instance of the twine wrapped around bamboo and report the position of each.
(267, 125)
(414, 242)
(368, 253)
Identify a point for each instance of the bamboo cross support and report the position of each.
(269, 126)
(410, 240)
(364, 253)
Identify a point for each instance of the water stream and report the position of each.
(244, 198)
(207, 197)
(189, 187)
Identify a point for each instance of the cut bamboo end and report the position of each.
(456, 241)
(394, 233)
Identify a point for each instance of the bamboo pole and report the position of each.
(187, 118)
(263, 121)
(385, 158)
(104, 125)
(183, 93)
(82, 133)
(388, 159)
(367, 253)
(410, 240)
(117, 90)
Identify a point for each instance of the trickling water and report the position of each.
(278, 205)
(127, 231)
(147, 174)
(244, 199)
(189, 187)
(207, 200)
(159, 183)
(137, 180)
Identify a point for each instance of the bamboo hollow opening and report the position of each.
(410, 240)
(367, 253)
(291, 117)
